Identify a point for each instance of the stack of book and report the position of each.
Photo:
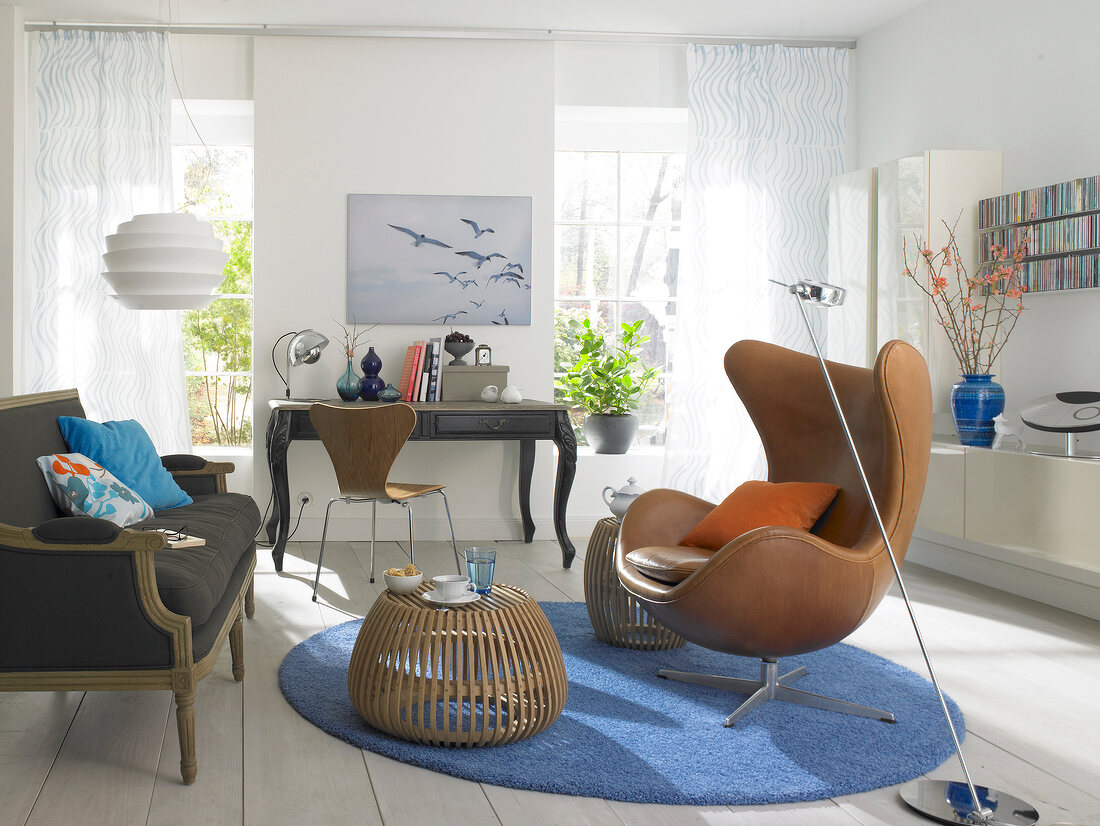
(421, 377)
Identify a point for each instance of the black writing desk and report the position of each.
(441, 421)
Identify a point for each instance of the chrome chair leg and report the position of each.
(373, 529)
(450, 524)
(412, 542)
(321, 553)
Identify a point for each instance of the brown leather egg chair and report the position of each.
(778, 591)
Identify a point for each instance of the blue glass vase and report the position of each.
(348, 384)
(975, 401)
(371, 385)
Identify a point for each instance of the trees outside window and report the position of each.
(617, 225)
(215, 184)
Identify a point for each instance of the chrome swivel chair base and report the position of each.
(772, 686)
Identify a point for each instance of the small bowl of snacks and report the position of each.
(403, 580)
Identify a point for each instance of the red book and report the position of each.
(406, 371)
(413, 392)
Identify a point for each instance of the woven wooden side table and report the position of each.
(485, 673)
(617, 617)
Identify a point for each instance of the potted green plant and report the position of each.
(606, 381)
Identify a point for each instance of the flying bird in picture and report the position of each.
(420, 238)
(513, 267)
(450, 277)
(479, 258)
(478, 231)
(477, 304)
(466, 284)
(502, 315)
(443, 319)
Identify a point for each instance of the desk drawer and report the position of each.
(533, 424)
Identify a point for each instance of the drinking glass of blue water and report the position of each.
(480, 563)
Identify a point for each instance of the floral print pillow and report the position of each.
(80, 487)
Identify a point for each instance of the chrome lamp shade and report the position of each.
(946, 802)
(304, 348)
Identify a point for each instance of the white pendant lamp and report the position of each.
(164, 261)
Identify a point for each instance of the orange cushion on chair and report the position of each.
(761, 504)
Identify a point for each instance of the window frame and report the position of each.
(622, 132)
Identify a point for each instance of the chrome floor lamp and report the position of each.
(945, 801)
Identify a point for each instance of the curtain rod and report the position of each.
(471, 34)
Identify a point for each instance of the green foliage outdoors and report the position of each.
(219, 338)
(606, 378)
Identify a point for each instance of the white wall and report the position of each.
(1009, 75)
(335, 116)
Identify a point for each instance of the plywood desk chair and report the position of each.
(363, 443)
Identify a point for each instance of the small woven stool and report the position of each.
(616, 616)
(484, 673)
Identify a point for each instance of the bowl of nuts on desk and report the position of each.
(403, 580)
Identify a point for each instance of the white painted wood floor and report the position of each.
(1027, 677)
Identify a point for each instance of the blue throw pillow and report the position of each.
(125, 449)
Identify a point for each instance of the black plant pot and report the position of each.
(610, 433)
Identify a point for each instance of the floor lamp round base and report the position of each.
(949, 801)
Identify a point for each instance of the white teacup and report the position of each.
(490, 393)
(451, 586)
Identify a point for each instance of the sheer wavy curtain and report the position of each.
(766, 133)
(100, 154)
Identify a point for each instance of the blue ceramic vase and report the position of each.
(371, 384)
(975, 401)
(348, 385)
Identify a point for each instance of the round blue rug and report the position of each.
(626, 734)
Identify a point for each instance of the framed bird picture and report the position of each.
(439, 259)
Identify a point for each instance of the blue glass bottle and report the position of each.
(371, 384)
(349, 384)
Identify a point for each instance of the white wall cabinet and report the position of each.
(1025, 524)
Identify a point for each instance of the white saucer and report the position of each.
(433, 596)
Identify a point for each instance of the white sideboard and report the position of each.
(1025, 524)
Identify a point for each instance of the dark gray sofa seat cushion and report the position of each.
(192, 581)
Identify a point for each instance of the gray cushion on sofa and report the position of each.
(192, 581)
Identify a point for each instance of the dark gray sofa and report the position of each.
(85, 605)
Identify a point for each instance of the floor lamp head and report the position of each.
(817, 292)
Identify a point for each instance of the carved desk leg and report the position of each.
(278, 441)
(566, 440)
(273, 522)
(526, 468)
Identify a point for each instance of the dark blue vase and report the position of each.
(348, 385)
(975, 401)
(371, 384)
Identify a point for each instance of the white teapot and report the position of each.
(620, 500)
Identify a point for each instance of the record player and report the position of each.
(1071, 412)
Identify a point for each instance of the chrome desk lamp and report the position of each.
(945, 801)
(304, 348)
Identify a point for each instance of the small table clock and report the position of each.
(483, 356)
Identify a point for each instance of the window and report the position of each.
(617, 226)
(214, 182)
